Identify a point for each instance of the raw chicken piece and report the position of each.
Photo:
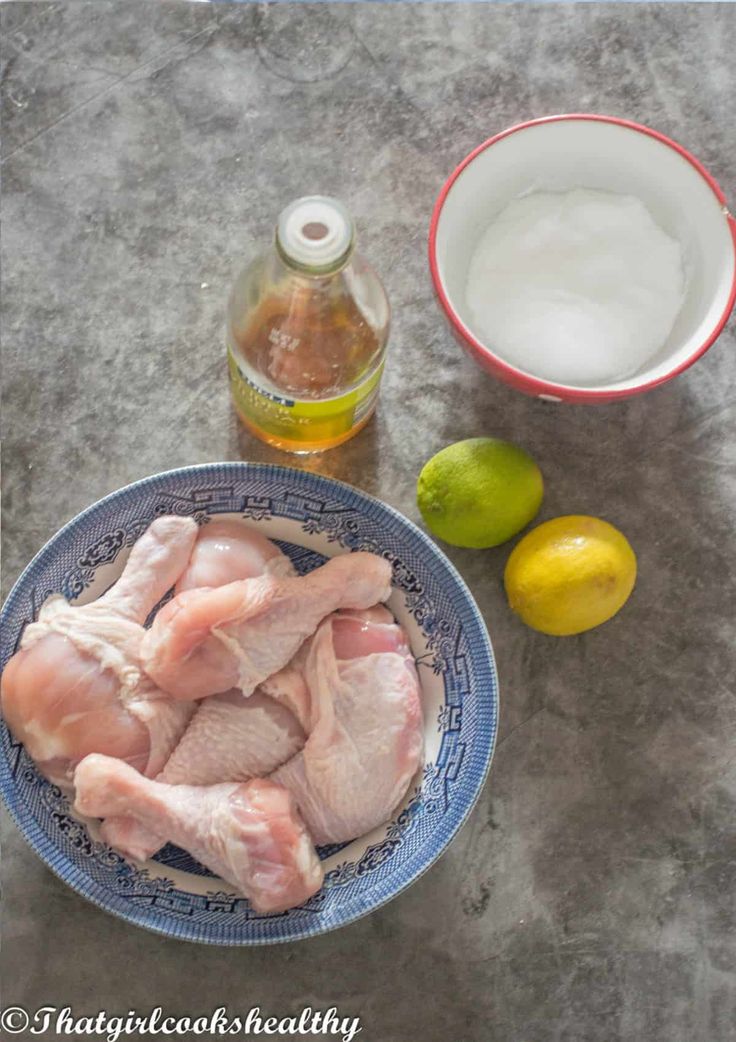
(229, 550)
(289, 685)
(214, 749)
(379, 613)
(365, 741)
(248, 834)
(289, 688)
(230, 738)
(205, 641)
(76, 685)
(359, 633)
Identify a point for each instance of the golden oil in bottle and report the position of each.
(307, 330)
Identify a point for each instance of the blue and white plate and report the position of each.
(311, 518)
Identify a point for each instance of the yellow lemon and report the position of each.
(570, 574)
(479, 492)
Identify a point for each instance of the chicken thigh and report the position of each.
(238, 635)
(289, 686)
(76, 684)
(227, 550)
(249, 834)
(225, 741)
(365, 736)
(230, 738)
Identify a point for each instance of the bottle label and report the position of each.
(301, 419)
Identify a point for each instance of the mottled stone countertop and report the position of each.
(147, 149)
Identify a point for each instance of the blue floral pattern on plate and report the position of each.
(312, 518)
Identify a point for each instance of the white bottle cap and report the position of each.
(315, 232)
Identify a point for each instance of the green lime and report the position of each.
(479, 492)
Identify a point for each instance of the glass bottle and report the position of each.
(307, 327)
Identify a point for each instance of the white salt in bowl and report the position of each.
(559, 153)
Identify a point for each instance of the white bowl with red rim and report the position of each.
(558, 153)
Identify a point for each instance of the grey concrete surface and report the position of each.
(147, 149)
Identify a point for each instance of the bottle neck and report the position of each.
(309, 271)
(315, 235)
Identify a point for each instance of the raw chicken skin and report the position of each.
(238, 635)
(365, 742)
(225, 742)
(230, 738)
(249, 834)
(289, 688)
(76, 684)
(228, 550)
(289, 685)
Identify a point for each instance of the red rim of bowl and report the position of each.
(517, 376)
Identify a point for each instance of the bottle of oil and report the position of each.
(307, 329)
